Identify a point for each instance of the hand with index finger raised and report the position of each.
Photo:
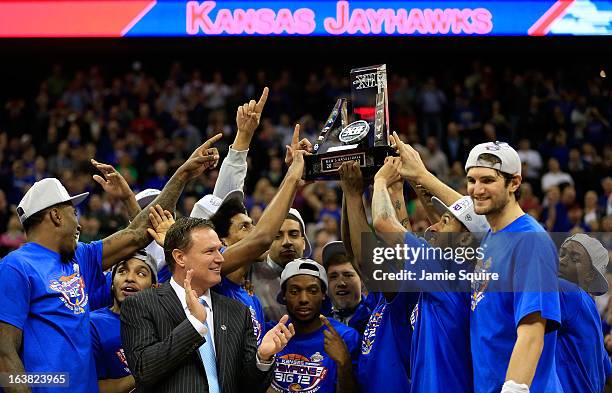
(202, 158)
(334, 345)
(248, 115)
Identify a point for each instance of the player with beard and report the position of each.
(384, 361)
(320, 357)
(129, 277)
(514, 319)
(581, 357)
(443, 306)
(46, 285)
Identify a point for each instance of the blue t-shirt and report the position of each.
(103, 294)
(441, 329)
(581, 356)
(234, 291)
(107, 347)
(526, 260)
(304, 366)
(360, 317)
(384, 361)
(49, 301)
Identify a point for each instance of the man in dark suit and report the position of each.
(166, 331)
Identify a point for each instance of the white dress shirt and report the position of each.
(197, 325)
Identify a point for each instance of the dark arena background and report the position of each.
(139, 84)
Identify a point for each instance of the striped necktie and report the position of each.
(207, 352)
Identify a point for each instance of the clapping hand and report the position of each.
(194, 306)
(161, 220)
(276, 339)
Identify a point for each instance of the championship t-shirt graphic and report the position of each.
(369, 334)
(304, 366)
(72, 288)
(297, 373)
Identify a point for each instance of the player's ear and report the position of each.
(515, 183)
(56, 217)
(178, 254)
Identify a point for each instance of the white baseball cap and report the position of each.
(209, 204)
(510, 160)
(599, 258)
(43, 194)
(463, 210)
(302, 266)
(296, 214)
(145, 197)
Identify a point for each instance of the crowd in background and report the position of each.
(146, 126)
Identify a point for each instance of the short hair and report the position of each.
(493, 159)
(222, 219)
(341, 259)
(294, 218)
(338, 259)
(37, 218)
(179, 236)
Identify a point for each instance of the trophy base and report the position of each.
(325, 166)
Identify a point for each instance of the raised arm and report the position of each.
(234, 167)
(10, 363)
(384, 218)
(396, 193)
(127, 241)
(117, 187)
(413, 170)
(351, 181)
(259, 240)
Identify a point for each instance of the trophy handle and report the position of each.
(339, 109)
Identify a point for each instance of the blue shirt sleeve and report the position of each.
(97, 351)
(534, 280)
(89, 258)
(14, 294)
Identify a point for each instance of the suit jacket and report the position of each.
(161, 345)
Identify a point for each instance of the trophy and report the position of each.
(365, 139)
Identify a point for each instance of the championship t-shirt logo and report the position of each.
(296, 373)
(256, 325)
(121, 355)
(480, 286)
(369, 334)
(72, 289)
